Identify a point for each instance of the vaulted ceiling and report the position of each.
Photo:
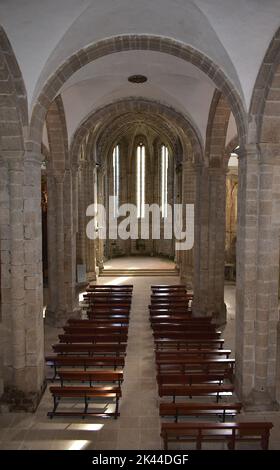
(234, 35)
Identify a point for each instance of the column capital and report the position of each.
(35, 158)
(58, 176)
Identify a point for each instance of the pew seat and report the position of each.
(177, 410)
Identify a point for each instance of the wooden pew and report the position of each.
(189, 379)
(189, 364)
(181, 296)
(111, 287)
(199, 409)
(90, 349)
(180, 327)
(97, 338)
(179, 318)
(170, 354)
(83, 361)
(124, 296)
(157, 287)
(91, 376)
(99, 322)
(196, 390)
(86, 393)
(198, 335)
(104, 302)
(91, 330)
(229, 432)
(170, 310)
(185, 344)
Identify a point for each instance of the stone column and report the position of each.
(90, 243)
(210, 242)
(5, 262)
(201, 240)
(69, 247)
(81, 241)
(52, 248)
(62, 302)
(217, 228)
(189, 198)
(257, 314)
(33, 374)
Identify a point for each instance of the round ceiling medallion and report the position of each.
(137, 79)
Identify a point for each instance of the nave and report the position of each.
(139, 424)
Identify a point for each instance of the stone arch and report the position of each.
(185, 127)
(57, 136)
(216, 131)
(233, 143)
(127, 43)
(266, 96)
(13, 104)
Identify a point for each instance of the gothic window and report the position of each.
(116, 178)
(140, 190)
(164, 175)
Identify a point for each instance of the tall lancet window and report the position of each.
(140, 156)
(116, 179)
(164, 175)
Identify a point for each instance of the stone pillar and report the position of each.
(4, 259)
(69, 247)
(52, 248)
(217, 229)
(188, 198)
(210, 242)
(62, 302)
(22, 286)
(81, 241)
(33, 374)
(201, 240)
(91, 274)
(257, 314)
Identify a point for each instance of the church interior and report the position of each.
(132, 342)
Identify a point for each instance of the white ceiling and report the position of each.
(234, 34)
(173, 82)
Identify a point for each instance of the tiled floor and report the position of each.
(138, 426)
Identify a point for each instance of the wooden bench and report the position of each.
(84, 362)
(196, 390)
(198, 335)
(168, 287)
(92, 376)
(111, 287)
(86, 393)
(96, 339)
(90, 349)
(180, 318)
(99, 322)
(229, 432)
(202, 352)
(172, 326)
(187, 365)
(181, 344)
(123, 296)
(189, 379)
(100, 317)
(185, 312)
(91, 330)
(199, 409)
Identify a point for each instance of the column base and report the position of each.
(259, 401)
(14, 399)
(58, 318)
(91, 276)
